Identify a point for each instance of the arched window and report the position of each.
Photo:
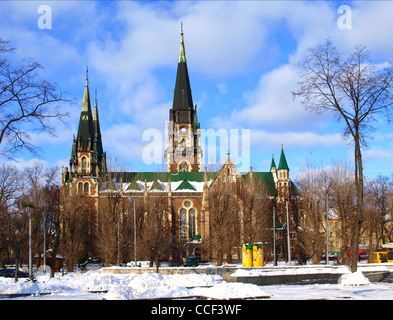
(191, 223)
(84, 163)
(86, 187)
(80, 187)
(183, 223)
(187, 220)
(183, 167)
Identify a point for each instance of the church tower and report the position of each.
(183, 153)
(284, 184)
(88, 159)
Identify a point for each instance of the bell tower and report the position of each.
(183, 152)
(88, 159)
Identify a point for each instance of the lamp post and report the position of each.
(30, 245)
(131, 199)
(288, 236)
(327, 232)
(44, 243)
(274, 238)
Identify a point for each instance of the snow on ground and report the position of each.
(98, 285)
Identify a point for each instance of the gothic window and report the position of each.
(183, 142)
(191, 223)
(187, 220)
(183, 130)
(80, 187)
(86, 187)
(84, 162)
(183, 223)
(183, 167)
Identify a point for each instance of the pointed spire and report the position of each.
(86, 129)
(73, 152)
(273, 165)
(97, 130)
(182, 54)
(182, 99)
(283, 161)
(86, 97)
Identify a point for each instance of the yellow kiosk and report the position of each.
(257, 252)
(253, 254)
(247, 255)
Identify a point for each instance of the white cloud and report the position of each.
(268, 140)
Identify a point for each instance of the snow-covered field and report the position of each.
(99, 285)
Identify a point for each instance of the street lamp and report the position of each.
(131, 199)
(29, 208)
(30, 245)
(327, 231)
(274, 238)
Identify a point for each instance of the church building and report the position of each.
(186, 185)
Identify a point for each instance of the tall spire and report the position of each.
(182, 54)
(86, 97)
(273, 165)
(182, 99)
(283, 161)
(97, 130)
(85, 137)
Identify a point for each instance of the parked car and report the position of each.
(10, 273)
(190, 261)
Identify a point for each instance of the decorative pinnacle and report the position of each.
(182, 54)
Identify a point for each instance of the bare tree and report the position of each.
(113, 231)
(13, 218)
(313, 207)
(257, 203)
(26, 103)
(378, 211)
(74, 222)
(156, 238)
(224, 220)
(355, 90)
(343, 201)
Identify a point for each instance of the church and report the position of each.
(186, 186)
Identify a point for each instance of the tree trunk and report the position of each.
(16, 267)
(359, 204)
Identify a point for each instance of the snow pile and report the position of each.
(312, 269)
(21, 287)
(230, 290)
(354, 279)
(194, 280)
(146, 286)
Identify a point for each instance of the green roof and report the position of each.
(266, 178)
(156, 186)
(110, 185)
(162, 176)
(273, 165)
(283, 161)
(185, 185)
(134, 186)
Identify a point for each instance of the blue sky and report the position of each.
(241, 58)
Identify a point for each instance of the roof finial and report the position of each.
(87, 73)
(96, 95)
(182, 54)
